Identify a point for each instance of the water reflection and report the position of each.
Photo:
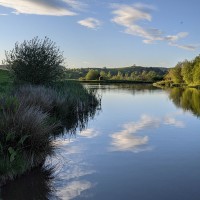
(71, 170)
(74, 189)
(125, 88)
(127, 140)
(170, 120)
(36, 185)
(188, 99)
(83, 166)
(88, 133)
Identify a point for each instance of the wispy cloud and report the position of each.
(3, 14)
(43, 7)
(190, 47)
(130, 16)
(90, 23)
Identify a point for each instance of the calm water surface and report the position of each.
(143, 145)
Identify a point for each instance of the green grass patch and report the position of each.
(5, 81)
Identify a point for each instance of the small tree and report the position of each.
(36, 61)
(92, 75)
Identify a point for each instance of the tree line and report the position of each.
(185, 72)
(134, 73)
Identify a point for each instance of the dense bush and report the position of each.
(35, 61)
(92, 75)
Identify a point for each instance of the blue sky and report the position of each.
(106, 33)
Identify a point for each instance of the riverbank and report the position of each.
(113, 81)
(31, 116)
(170, 84)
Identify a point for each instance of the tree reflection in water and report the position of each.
(188, 99)
(35, 185)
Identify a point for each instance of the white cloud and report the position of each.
(189, 47)
(129, 17)
(90, 23)
(43, 7)
(3, 14)
(176, 37)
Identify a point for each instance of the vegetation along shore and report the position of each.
(36, 104)
(184, 74)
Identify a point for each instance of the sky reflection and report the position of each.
(71, 168)
(127, 140)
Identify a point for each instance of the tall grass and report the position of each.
(75, 104)
(25, 138)
(30, 117)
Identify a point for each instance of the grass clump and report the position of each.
(25, 138)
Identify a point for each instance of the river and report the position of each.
(143, 144)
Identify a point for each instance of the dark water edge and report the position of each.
(36, 184)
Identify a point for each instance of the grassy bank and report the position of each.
(115, 81)
(170, 84)
(31, 116)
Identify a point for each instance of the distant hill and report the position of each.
(125, 71)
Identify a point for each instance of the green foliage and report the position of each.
(196, 73)
(92, 75)
(176, 74)
(186, 72)
(5, 81)
(134, 73)
(25, 136)
(35, 61)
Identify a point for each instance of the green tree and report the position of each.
(109, 75)
(35, 61)
(176, 73)
(92, 75)
(196, 73)
(103, 74)
(119, 76)
(187, 72)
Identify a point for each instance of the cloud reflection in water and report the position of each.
(71, 168)
(127, 140)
